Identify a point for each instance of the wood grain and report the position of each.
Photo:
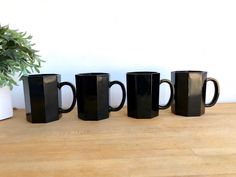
(165, 146)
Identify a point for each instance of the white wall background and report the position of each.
(76, 36)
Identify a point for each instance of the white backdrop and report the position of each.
(76, 36)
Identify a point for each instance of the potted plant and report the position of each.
(17, 57)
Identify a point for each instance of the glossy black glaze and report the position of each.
(143, 94)
(190, 92)
(93, 95)
(43, 98)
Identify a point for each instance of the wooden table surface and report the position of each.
(165, 146)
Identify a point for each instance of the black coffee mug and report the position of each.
(190, 92)
(93, 95)
(143, 94)
(43, 97)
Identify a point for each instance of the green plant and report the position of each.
(16, 56)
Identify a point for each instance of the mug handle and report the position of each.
(171, 94)
(123, 95)
(60, 85)
(217, 92)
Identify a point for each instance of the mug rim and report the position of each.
(92, 74)
(42, 75)
(141, 72)
(189, 71)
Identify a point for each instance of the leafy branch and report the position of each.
(16, 56)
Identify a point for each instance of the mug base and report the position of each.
(91, 117)
(142, 116)
(31, 119)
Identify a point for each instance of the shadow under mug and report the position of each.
(190, 92)
(93, 95)
(43, 97)
(143, 94)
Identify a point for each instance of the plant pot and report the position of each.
(6, 109)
